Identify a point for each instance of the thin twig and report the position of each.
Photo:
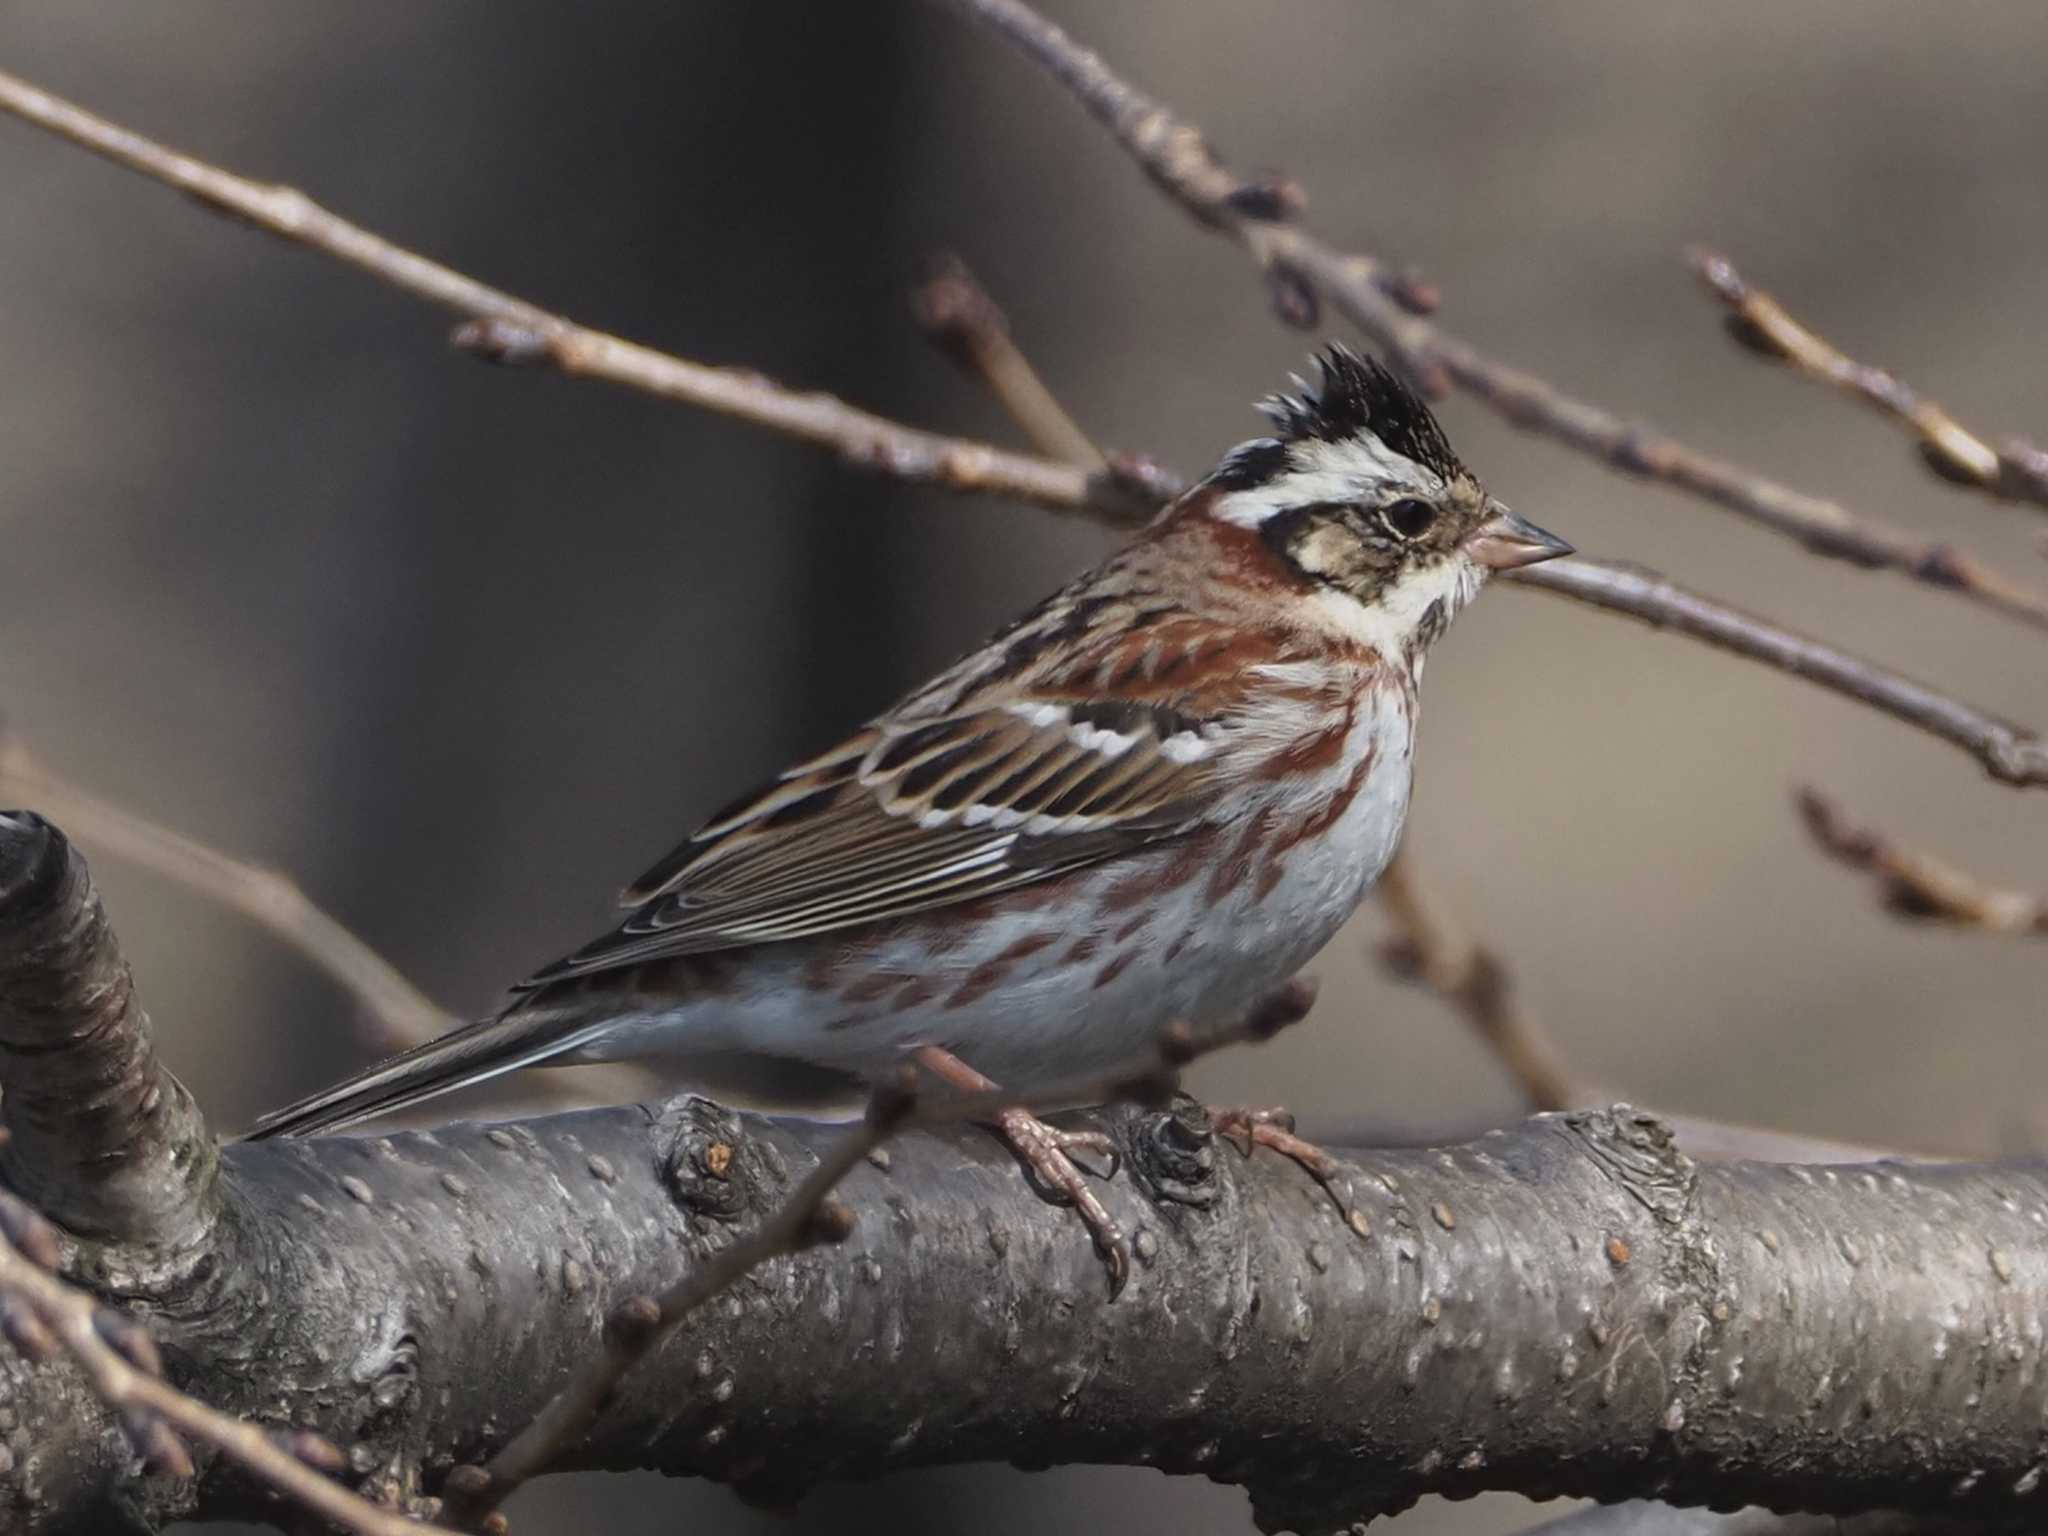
(640, 1324)
(959, 314)
(1916, 885)
(273, 901)
(966, 322)
(2014, 470)
(1301, 269)
(1132, 491)
(2009, 753)
(43, 1313)
(1430, 945)
(399, 1014)
(506, 329)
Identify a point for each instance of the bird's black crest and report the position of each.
(1355, 395)
(1252, 465)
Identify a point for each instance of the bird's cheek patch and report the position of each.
(1327, 550)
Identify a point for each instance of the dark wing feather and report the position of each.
(916, 814)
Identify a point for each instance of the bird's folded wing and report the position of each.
(915, 814)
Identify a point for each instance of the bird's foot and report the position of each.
(1274, 1129)
(1046, 1153)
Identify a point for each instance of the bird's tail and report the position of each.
(523, 1036)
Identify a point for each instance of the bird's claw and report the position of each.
(1045, 1152)
(1274, 1129)
(1242, 1127)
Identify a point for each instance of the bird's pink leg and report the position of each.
(1045, 1152)
(1274, 1129)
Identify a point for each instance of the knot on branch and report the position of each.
(33, 858)
(710, 1165)
(1173, 1154)
(1641, 1153)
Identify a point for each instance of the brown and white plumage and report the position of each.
(1154, 795)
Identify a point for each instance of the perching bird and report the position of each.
(1153, 797)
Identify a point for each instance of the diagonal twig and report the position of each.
(404, 1015)
(42, 1314)
(959, 314)
(1123, 498)
(1302, 270)
(1914, 885)
(2008, 752)
(2013, 470)
(809, 1216)
(1429, 945)
(637, 1325)
(509, 330)
(400, 1015)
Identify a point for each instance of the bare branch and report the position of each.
(1724, 1141)
(1130, 491)
(2010, 753)
(120, 1361)
(2015, 470)
(1299, 268)
(1636, 1518)
(509, 330)
(422, 1293)
(398, 1013)
(403, 1014)
(641, 1324)
(1567, 1306)
(100, 1137)
(1914, 885)
(1429, 945)
(959, 314)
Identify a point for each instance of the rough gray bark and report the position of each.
(102, 1139)
(1640, 1519)
(1571, 1306)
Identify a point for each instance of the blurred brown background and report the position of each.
(464, 649)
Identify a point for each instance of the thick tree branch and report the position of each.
(2014, 470)
(1640, 1519)
(121, 1361)
(101, 1138)
(813, 1214)
(1300, 269)
(1568, 1307)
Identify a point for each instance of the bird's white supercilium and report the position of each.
(1153, 797)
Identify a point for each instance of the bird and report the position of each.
(1151, 798)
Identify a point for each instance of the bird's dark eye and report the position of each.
(1407, 518)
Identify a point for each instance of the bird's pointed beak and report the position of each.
(1507, 540)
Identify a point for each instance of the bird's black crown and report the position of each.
(1355, 395)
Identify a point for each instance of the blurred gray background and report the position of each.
(464, 649)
